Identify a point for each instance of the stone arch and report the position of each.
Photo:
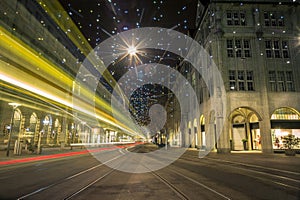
(244, 131)
(285, 113)
(46, 124)
(195, 137)
(16, 125)
(32, 128)
(244, 111)
(56, 131)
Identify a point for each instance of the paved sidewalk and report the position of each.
(275, 160)
(47, 153)
(280, 161)
(51, 153)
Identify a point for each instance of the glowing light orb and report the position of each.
(132, 50)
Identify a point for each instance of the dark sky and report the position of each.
(98, 19)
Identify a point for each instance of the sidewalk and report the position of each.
(275, 160)
(47, 153)
(50, 153)
(255, 158)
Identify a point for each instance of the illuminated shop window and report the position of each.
(285, 114)
(284, 122)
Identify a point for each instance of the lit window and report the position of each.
(285, 114)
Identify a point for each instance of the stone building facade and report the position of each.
(38, 64)
(255, 45)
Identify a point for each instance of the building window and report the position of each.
(250, 85)
(281, 81)
(273, 19)
(281, 126)
(268, 48)
(285, 114)
(241, 80)
(238, 80)
(272, 81)
(289, 81)
(285, 51)
(236, 18)
(230, 48)
(232, 85)
(247, 52)
(276, 49)
(238, 48)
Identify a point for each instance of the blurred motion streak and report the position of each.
(23, 67)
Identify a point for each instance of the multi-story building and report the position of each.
(255, 45)
(41, 51)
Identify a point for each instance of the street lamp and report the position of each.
(14, 106)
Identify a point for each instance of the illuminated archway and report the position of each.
(245, 132)
(31, 131)
(202, 130)
(196, 138)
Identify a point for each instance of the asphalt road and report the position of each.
(216, 176)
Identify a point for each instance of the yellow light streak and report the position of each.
(23, 55)
(27, 57)
(14, 49)
(64, 21)
(87, 109)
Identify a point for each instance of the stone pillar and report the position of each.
(265, 132)
(210, 134)
(223, 142)
(63, 132)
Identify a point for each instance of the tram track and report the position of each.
(197, 190)
(181, 191)
(88, 185)
(36, 194)
(281, 178)
(187, 178)
(272, 173)
(175, 186)
(112, 174)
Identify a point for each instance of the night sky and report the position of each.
(101, 19)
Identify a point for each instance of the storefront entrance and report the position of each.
(245, 132)
(284, 121)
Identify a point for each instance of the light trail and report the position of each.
(24, 56)
(64, 21)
